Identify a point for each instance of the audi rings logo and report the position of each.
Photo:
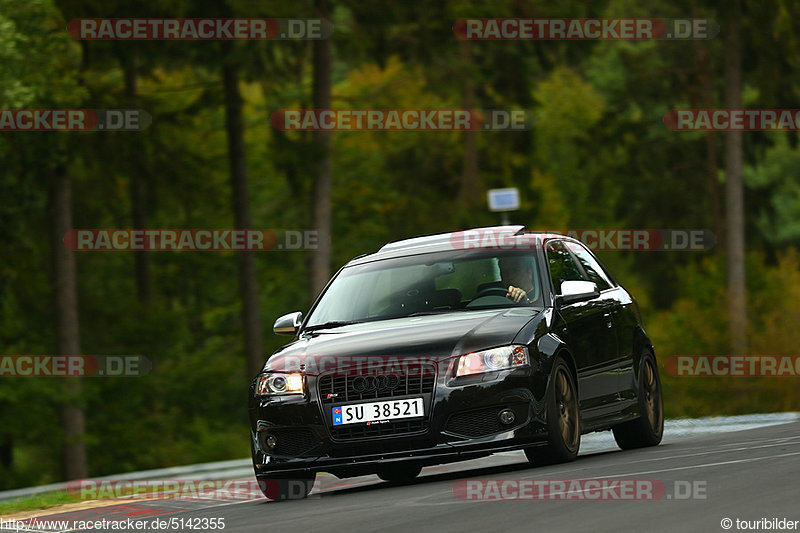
(375, 383)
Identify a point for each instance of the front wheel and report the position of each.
(648, 429)
(563, 422)
(399, 473)
(294, 487)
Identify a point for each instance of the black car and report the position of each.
(451, 347)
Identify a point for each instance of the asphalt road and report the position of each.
(746, 475)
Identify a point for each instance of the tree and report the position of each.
(138, 185)
(734, 193)
(74, 458)
(42, 71)
(248, 282)
(321, 258)
(470, 189)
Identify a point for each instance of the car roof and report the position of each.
(485, 238)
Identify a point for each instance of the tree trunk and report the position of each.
(704, 70)
(73, 425)
(138, 189)
(469, 193)
(321, 258)
(248, 281)
(734, 194)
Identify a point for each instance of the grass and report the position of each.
(40, 501)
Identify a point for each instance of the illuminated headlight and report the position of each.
(277, 384)
(491, 360)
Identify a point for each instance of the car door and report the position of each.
(624, 317)
(590, 332)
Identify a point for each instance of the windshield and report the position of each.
(444, 282)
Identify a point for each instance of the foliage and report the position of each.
(696, 324)
(597, 156)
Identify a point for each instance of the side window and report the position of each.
(562, 266)
(592, 267)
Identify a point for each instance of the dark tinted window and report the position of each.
(591, 267)
(562, 266)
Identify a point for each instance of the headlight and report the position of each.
(491, 360)
(278, 384)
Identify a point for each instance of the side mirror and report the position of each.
(288, 324)
(576, 291)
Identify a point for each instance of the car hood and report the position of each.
(432, 337)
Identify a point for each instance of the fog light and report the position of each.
(271, 441)
(507, 416)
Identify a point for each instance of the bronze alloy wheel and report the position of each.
(652, 396)
(648, 428)
(563, 421)
(567, 409)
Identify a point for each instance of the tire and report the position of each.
(279, 488)
(648, 429)
(563, 420)
(402, 473)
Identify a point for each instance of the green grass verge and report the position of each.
(41, 501)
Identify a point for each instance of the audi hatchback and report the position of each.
(451, 347)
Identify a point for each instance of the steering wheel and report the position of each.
(492, 291)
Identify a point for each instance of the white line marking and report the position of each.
(689, 467)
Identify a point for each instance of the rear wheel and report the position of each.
(294, 487)
(563, 423)
(648, 429)
(399, 473)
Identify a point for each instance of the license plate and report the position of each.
(377, 411)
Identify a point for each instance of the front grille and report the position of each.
(379, 430)
(482, 422)
(292, 442)
(338, 389)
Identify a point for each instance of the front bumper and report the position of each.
(460, 423)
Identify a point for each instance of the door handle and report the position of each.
(607, 316)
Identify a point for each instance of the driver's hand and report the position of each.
(515, 294)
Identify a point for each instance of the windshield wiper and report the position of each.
(330, 325)
(436, 312)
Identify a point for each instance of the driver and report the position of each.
(516, 272)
